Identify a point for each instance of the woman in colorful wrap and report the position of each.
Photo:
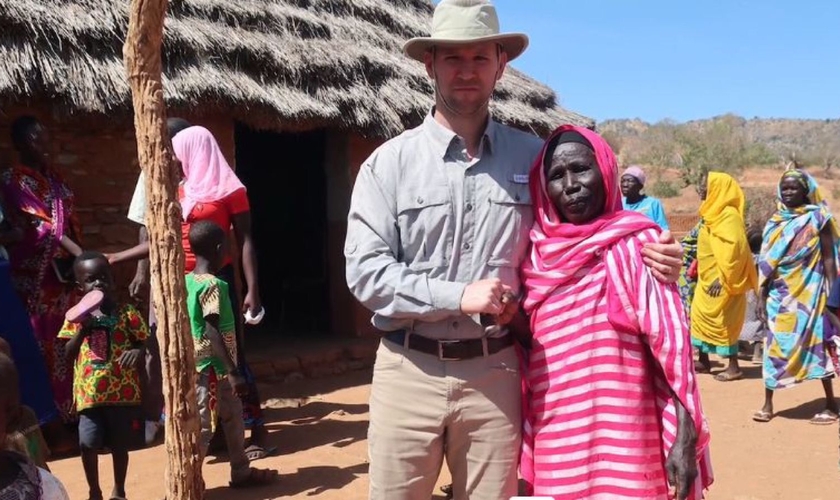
(613, 409)
(16, 335)
(42, 207)
(725, 273)
(796, 269)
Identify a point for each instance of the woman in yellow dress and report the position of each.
(726, 272)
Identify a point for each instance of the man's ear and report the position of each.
(503, 60)
(429, 61)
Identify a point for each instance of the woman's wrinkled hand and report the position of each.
(681, 467)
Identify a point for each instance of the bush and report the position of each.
(664, 189)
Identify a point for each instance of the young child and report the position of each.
(213, 328)
(107, 346)
(754, 330)
(19, 477)
(27, 426)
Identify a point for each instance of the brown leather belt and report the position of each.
(451, 350)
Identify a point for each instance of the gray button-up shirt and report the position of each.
(426, 220)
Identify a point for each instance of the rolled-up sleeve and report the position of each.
(375, 275)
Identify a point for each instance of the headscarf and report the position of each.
(637, 173)
(722, 192)
(559, 249)
(816, 201)
(207, 175)
(723, 213)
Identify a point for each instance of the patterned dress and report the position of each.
(99, 379)
(45, 204)
(687, 283)
(791, 268)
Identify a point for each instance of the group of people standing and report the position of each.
(41, 258)
(769, 284)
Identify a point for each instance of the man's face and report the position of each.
(466, 74)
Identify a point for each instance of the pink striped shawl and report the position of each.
(561, 256)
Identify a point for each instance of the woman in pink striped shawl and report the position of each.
(613, 409)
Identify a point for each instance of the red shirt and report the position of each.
(221, 212)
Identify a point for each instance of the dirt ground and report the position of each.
(319, 427)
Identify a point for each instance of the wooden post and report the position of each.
(142, 54)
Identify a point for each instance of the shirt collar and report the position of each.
(442, 138)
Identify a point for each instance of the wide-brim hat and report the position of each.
(462, 22)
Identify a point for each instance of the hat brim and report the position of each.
(514, 44)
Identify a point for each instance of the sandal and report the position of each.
(825, 417)
(762, 416)
(701, 368)
(257, 477)
(446, 489)
(728, 377)
(255, 452)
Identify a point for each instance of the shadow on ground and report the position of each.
(804, 411)
(307, 481)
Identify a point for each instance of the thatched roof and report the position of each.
(270, 63)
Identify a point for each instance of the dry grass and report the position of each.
(278, 64)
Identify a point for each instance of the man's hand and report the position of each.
(664, 258)
(484, 296)
(131, 358)
(714, 289)
(510, 309)
(138, 285)
(237, 382)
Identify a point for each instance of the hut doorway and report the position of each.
(287, 189)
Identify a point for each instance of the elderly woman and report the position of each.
(797, 267)
(725, 273)
(632, 185)
(41, 207)
(613, 410)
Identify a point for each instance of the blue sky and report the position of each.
(653, 59)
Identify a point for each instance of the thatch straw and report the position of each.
(276, 64)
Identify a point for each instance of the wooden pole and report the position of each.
(142, 54)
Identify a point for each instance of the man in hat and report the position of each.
(437, 228)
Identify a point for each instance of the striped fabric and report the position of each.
(601, 417)
(610, 352)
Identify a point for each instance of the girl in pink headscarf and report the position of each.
(612, 410)
(212, 191)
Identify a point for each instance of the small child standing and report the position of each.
(219, 382)
(754, 330)
(107, 345)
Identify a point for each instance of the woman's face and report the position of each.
(793, 192)
(630, 186)
(574, 183)
(37, 145)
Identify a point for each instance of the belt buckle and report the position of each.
(441, 343)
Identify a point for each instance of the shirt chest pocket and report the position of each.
(425, 225)
(509, 218)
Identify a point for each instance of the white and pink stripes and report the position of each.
(610, 352)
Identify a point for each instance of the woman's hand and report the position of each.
(681, 467)
(252, 303)
(715, 288)
(664, 258)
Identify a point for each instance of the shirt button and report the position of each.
(419, 200)
(469, 207)
(516, 197)
(455, 325)
(466, 246)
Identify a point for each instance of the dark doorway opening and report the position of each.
(287, 189)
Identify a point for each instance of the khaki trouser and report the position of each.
(229, 410)
(423, 409)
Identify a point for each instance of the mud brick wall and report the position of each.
(97, 155)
